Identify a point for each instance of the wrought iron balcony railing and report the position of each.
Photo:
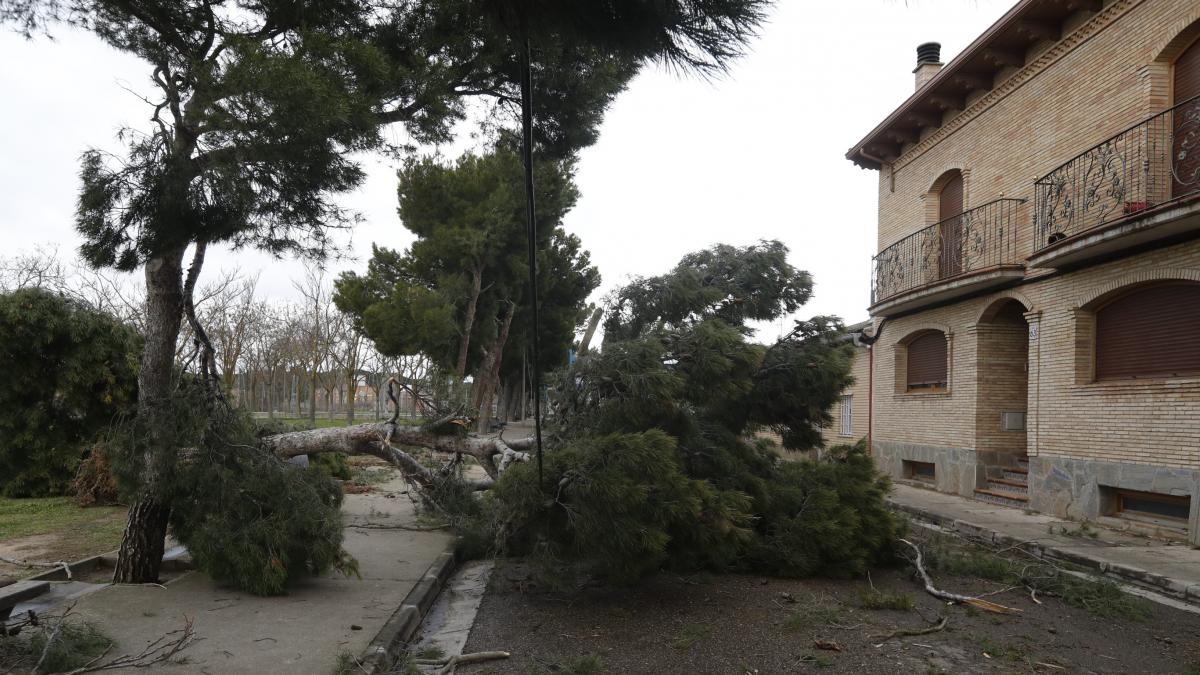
(975, 240)
(1149, 164)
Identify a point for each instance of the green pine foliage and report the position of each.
(652, 463)
(68, 371)
(250, 519)
(469, 221)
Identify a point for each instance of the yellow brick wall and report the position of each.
(1145, 421)
(862, 375)
(1100, 79)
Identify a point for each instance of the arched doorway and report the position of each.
(1002, 394)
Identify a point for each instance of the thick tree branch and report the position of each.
(380, 439)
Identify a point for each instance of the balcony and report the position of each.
(972, 252)
(1135, 189)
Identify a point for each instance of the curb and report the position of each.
(387, 645)
(1136, 576)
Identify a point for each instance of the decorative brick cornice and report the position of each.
(1089, 29)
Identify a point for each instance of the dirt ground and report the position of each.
(745, 624)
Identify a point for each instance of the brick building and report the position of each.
(1035, 333)
(850, 413)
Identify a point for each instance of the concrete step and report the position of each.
(1018, 487)
(13, 594)
(1015, 474)
(1012, 499)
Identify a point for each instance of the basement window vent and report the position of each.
(1012, 421)
(922, 471)
(1150, 507)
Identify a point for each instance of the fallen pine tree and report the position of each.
(653, 458)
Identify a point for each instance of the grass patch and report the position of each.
(431, 652)
(1103, 598)
(873, 599)
(590, 664)
(76, 644)
(1097, 595)
(79, 531)
(816, 612)
(690, 635)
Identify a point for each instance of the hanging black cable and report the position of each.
(527, 152)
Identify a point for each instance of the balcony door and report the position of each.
(950, 208)
(1185, 146)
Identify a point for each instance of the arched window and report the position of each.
(926, 362)
(1153, 331)
(950, 207)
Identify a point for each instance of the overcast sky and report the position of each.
(681, 163)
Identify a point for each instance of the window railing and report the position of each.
(1149, 164)
(981, 238)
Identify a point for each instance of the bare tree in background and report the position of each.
(317, 315)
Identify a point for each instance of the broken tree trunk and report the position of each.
(591, 330)
(381, 439)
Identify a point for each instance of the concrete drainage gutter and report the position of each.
(1157, 583)
(386, 647)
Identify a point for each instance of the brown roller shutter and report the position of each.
(950, 205)
(1187, 85)
(926, 359)
(1187, 73)
(1154, 332)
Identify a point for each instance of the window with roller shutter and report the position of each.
(927, 362)
(1151, 332)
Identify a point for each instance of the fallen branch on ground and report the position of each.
(53, 634)
(34, 563)
(160, 651)
(372, 526)
(448, 665)
(939, 626)
(953, 597)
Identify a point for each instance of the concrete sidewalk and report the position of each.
(1169, 568)
(302, 632)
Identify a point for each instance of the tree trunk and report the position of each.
(464, 342)
(491, 372)
(142, 544)
(351, 397)
(591, 331)
(312, 397)
(381, 439)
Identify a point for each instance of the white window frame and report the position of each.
(847, 417)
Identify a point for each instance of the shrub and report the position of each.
(68, 371)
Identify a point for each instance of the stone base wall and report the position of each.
(956, 469)
(1070, 488)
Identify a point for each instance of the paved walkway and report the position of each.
(1169, 568)
(302, 632)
